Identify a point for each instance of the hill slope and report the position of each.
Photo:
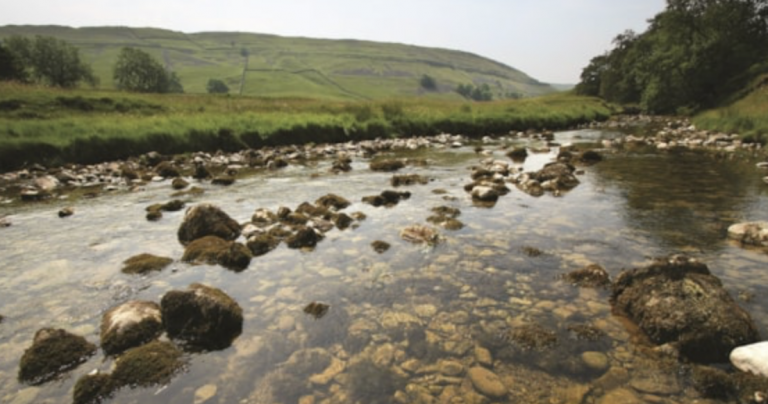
(293, 67)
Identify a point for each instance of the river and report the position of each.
(409, 323)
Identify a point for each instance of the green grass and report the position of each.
(51, 126)
(747, 116)
(341, 69)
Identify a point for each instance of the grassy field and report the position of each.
(287, 67)
(50, 126)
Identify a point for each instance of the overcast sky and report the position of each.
(551, 40)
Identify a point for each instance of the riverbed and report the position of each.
(407, 324)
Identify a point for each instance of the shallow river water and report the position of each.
(405, 325)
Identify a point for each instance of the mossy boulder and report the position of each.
(207, 220)
(202, 316)
(53, 352)
(129, 325)
(213, 250)
(261, 244)
(518, 154)
(166, 169)
(559, 174)
(144, 263)
(333, 201)
(591, 276)
(304, 237)
(179, 184)
(387, 165)
(387, 198)
(93, 389)
(676, 300)
(408, 179)
(148, 365)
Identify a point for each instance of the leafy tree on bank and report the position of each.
(479, 93)
(136, 70)
(693, 55)
(11, 68)
(48, 60)
(216, 86)
(428, 83)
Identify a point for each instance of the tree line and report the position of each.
(54, 62)
(693, 55)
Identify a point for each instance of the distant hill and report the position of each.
(293, 67)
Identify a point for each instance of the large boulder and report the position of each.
(148, 365)
(207, 220)
(213, 250)
(129, 325)
(677, 301)
(202, 316)
(53, 352)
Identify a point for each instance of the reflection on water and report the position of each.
(345, 323)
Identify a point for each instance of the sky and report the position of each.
(550, 40)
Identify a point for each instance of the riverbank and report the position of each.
(55, 127)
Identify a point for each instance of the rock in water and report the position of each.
(143, 263)
(486, 382)
(677, 301)
(751, 358)
(53, 352)
(202, 316)
(216, 251)
(753, 233)
(207, 220)
(151, 364)
(129, 325)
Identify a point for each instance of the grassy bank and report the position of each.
(746, 116)
(47, 126)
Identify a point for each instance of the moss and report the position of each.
(207, 220)
(151, 364)
(93, 389)
(202, 316)
(380, 246)
(534, 337)
(295, 219)
(53, 351)
(712, 382)
(179, 184)
(262, 244)
(129, 325)
(213, 250)
(333, 201)
(143, 263)
(386, 165)
(342, 221)
(167, 170)
(408, 179)
(304, 237)
(591, 276)
(518, 154)
(586, 332)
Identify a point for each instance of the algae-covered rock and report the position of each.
(386, 198)
(129, 325)
(408, 179)
(148, 365)
(202, 316)
(207, 220)
(419, 234)
(143, 263)
(333, 201)
(93, 389)
(386, 165)
(591, 276)
(166, 169)
(261, 244)
(380, 246)
(213, 250)
(677, 301)
(305, 237)
(53, 352)
(179, 184)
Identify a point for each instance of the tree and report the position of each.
(428, 83)
(216, 86)
(11, 68)
(138, 71)
(480, 93)
(694, 54)
(50, 61)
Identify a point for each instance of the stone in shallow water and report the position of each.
(205, 393)
(751, 358)
(595, 361)
(487, 382)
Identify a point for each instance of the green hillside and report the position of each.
(293, 67)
